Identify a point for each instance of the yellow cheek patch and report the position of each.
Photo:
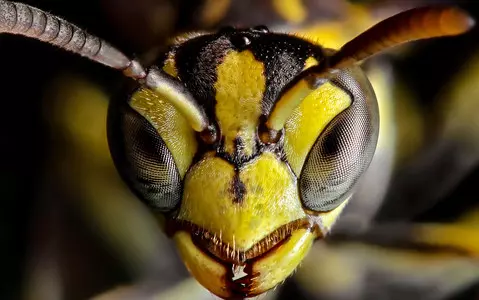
(173, 128)
(270, 199)
(291, 10)
(239, 92)
(205, 269)
(328, 219)
(266, 272)
(280, 263)
(289, 100)
(309, 119)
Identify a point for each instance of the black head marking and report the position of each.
(283, 56)
(238, 189)
(196, 62)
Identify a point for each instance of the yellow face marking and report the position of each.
(173, 128)
(205, 269)
(270, 199)
(267, 271)
(239, 92)
(309, 119)
(287, 103)
(278, 265)
(291, 99)
(327, 219)
(291, 10)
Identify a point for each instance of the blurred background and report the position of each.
(70, 228)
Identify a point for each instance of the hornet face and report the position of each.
(244, 203)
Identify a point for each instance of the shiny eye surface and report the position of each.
(143, 159)
(343, 150)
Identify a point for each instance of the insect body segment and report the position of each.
(249, 142)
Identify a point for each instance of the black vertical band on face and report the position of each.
(283, 57)
(196, 62)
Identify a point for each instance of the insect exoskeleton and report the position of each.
(248, 142)
(264, 178)
(263, 154)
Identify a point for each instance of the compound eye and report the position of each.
(143, 159)
(343, 150)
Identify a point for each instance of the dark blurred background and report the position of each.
(70, 229)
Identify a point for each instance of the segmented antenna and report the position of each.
(22, 19)
(411, 25)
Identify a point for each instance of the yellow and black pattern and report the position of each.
(244, 202)
(248, 154)
(262, 64)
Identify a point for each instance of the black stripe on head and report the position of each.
(284, 57)
(196, 61)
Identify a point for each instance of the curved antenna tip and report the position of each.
(455, 21)
(410, 25)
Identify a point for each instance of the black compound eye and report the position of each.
(142, 158)
(343, 150)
